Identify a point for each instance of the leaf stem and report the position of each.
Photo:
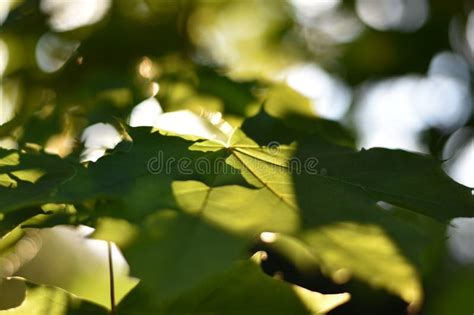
(111, 278)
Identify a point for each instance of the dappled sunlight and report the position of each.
(52, 52)
(209, 202)
(330, 96)
(403, 15)
(7, 181)
(460, 240)
(29, 175)
(309, 8)
(368, 253)
(9, 96)
(206, 124)
(69, 15)
(385, 115)
(80, 265)
(145, 113)
(191, 135)
(4, 10)
(61, 144)
(268, 237)
(187, 123)
(119, 231)
(444, 100)
(325, 24)
(147, 69)
(10, 159)
(458, 154)
(238, 34)
(24, 250)
(13, 177)
(393, 112)
(8, 143)
(329, 301)
(463, 167)
(3, 57)
(337, 27)
(97, 139)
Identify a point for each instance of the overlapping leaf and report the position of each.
(196, 222)
(49, 300)
(327, 183)
(28, 180)
(244, 289)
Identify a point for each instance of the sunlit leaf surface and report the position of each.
(192, 134)
(297, 190)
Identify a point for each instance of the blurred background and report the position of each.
(396, 73)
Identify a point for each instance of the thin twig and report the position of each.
(111, 278)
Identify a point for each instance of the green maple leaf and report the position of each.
(306, 190)
(28, 180)
(244, 289)
(41, 299)
(343, 186)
